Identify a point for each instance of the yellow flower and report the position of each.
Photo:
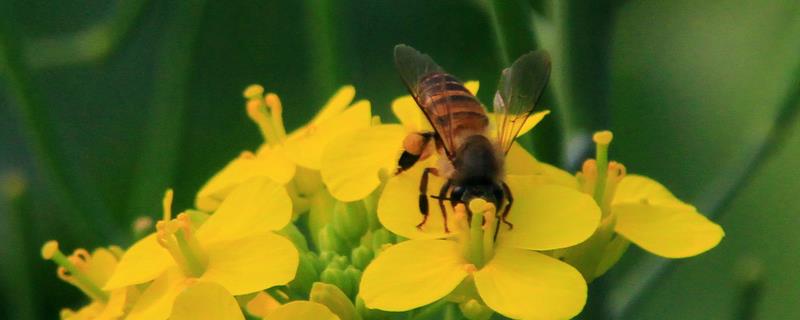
(235, 248)
(353, 163)
(510, 278)
(280, 155)
(639, 210)
(89, 272)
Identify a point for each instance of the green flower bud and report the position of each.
(350, 220)
(333, 298)
(291, 232)
(380, 238)
(353, 278)
(320, 215)
(474, 310)
(361, 256)
(331, 241)
(306, 275)
(335, 277)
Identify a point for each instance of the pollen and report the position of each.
(49, 249)
(603, 137)
(253, 91)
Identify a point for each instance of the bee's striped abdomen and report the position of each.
(445, 100)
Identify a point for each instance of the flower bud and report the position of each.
(474, 310)
(329, 240)
(333, 298)
(307, 273)
(380, 238)
(361, 256)
(350, 220)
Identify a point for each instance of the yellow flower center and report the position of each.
(178, 237)
(72, 269)
(267, 113)
(476, 237)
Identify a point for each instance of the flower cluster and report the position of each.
(315, 224)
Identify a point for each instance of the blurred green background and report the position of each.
(105, 104)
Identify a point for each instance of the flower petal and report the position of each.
(671, 232)
(251, 264)
(410, 115)
(519, 162)
(336, 104)
(254, 207)
(473, 86)
(398, 207)
(101, 266)
(269, 162)
(412, 274)
(547, 217)
(305, 146)
(638, 189)
(144, 261)
(156, 301)
(301, 310)
(524, 284)
(351, 162)
(205, 300)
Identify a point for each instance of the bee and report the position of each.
(471, 159)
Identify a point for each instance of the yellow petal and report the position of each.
(547, 217)
(519, 162)
(352, 161)
(638, 189)
(144, 261)
(269, 162)
(262, 304)
(296, 310)
(671, 232)
(522, 284)
(205, 300)
(254, 207)
(412, 274)
(88, 312)
(101, 266)
(156, 302)
(473, 86)
(306, 145)
(408, 112)
(398, 207)
(336, 104)
(114, 308)
(251, 264)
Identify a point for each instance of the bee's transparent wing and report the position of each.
(519, 89)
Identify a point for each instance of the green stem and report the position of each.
(159, 153)
(584, 34)
(510, 23)
(321, 31)
(71, 190)
(652, 270)
(95, 43)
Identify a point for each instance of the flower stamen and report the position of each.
(176, 235)
(71, 269)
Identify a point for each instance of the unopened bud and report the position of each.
(474, 310)
(333, 298)
(361, 256)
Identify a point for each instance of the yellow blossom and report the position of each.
(235, 248)
(509, 278)
(89, 272)
(636, 209)
(281, 153)
(353, 163)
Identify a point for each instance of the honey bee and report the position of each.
(471, 159)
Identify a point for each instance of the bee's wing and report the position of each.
(519, 89)
(413, 67)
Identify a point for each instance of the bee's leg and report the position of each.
(414, 146)
(507, 208)
(442, 197)
(423, 195)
